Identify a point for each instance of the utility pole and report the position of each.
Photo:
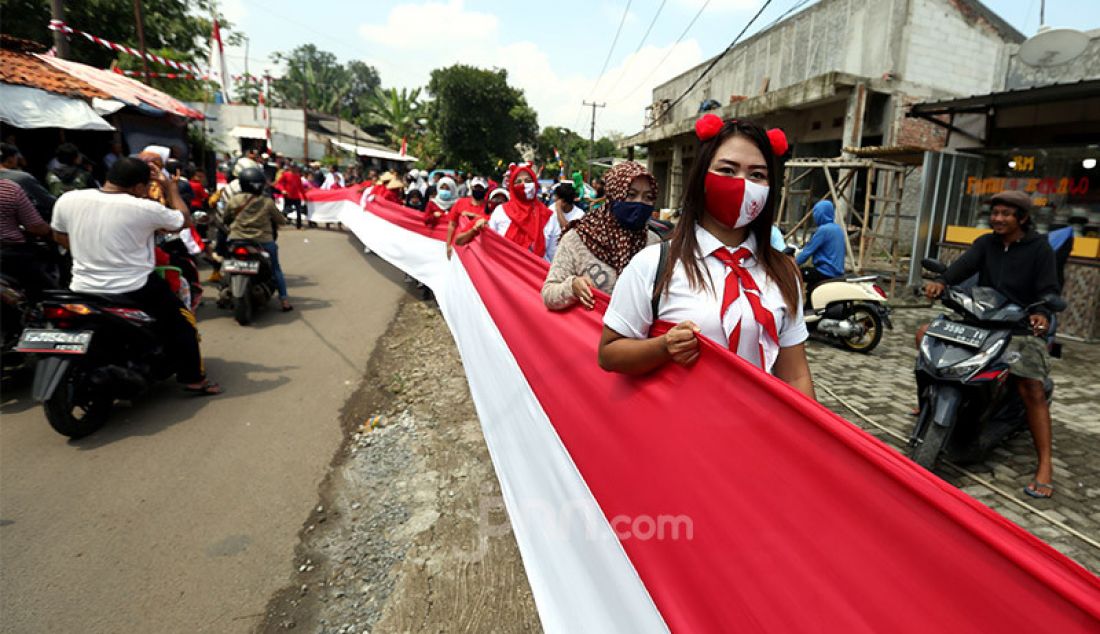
(60, 41)
(140, 22)
(305, 122)
(592, 134)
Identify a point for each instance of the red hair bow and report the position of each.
(707, 126)
(779, 141)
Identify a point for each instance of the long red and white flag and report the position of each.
(711, 498)
(219, 72)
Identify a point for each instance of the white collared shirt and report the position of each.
(630, 310)
(551, 232)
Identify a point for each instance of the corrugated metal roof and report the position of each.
(1085, 88)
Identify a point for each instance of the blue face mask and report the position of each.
(631, 216)
(445, 194)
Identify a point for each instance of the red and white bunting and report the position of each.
(58, 25)
(251, 79)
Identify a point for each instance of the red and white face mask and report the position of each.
(732, 200)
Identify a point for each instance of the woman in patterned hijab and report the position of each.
(598, 248)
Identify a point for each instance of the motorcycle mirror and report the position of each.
(1055, 303)
(933, 265)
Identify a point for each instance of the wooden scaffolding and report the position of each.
(879, 244)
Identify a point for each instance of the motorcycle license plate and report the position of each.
(247, 267)
(55, 341)
(961, 334)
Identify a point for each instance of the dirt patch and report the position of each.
(409, 534)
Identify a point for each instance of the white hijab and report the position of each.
(450, 183)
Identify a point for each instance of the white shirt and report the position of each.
(499, 222)
(111, 238)
(630, 310)
(331, 180)
(576, 213)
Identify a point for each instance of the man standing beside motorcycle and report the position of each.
(1019, 263)
(110, 234)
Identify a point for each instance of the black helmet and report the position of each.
(252, 180)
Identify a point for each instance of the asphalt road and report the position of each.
(183, 513)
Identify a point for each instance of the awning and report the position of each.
(122, 88)
(107, 106)
(374, 152)
(248, 132)
(1084, 89)
(25, 107)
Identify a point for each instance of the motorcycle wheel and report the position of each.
(242, 308)
(869, 318)
(72, 419)
(927, 452)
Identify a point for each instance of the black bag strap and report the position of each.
(662, 264)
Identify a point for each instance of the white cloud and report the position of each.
(234, 10)
(447, 33)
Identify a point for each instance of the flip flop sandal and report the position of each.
(207, 388)
(1031, 490)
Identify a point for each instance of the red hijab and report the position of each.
(528, 216)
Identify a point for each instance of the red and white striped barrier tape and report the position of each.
(58, 25)
(137, 73)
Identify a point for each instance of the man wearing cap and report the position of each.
(1019, 263)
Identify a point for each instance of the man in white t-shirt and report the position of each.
(110, 233)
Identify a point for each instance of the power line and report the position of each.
(611, 50)
(672, 48)
(718, 58)
(652, 22)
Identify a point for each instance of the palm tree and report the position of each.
(396, 111)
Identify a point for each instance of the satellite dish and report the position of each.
(1051, 47)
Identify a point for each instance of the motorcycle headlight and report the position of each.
(976, 362)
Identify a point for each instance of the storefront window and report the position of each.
(1064, 185)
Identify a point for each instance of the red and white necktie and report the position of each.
(739, 279)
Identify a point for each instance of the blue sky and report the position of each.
(555, 52)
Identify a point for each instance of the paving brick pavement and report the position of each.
(882, 387)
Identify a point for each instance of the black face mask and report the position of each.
(631, 216)
(478, 194)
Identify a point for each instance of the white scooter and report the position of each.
(852, 311)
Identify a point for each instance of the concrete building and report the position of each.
(840, 73)
(1039, 135)
(294, 133)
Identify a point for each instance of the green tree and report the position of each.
(329, 86)
(246, 89)
(396, 112)
(176, 29)
(574, 151)
(478, 118)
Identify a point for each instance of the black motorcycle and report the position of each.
(13, 311)
(968, 402)
(92, 350)
(251, 279)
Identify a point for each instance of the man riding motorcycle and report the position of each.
(19, 259)
(110, 234)
(826, 247)
(1019, 263)
(253, 216)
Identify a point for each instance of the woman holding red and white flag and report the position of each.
(524, 219)
(719, 276)
(596, 250)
